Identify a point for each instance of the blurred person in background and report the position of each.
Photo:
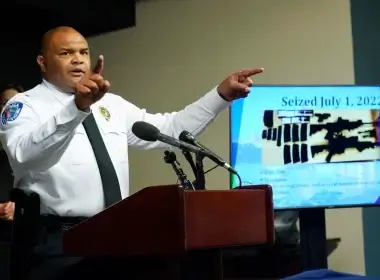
(7, 91)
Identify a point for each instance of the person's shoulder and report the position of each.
(30, 96)
(113, 100)
(112, 97)
(117, 100)
(21, 104)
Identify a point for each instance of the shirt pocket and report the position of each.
(115, 139)
(79, 151)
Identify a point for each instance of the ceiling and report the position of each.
(29, 19)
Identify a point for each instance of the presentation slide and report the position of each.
(317, 146)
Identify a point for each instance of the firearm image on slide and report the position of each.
(320, 136)
(338, 143)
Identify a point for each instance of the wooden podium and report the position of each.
(171, 233)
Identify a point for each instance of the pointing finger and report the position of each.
(98, 69)
(250, 72)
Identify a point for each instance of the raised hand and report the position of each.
(92, 88)
(238, 84)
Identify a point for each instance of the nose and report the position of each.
(77, 59)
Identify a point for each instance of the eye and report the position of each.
(64, 53)
(84, 52)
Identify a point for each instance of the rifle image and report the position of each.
(336, 127)
(322, 117)
(338, 145)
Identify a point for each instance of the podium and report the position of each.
(171, 233)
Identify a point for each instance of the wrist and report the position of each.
(81, 107)
(223, 97)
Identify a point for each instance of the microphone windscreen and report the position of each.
(187, 137)
(145, 131)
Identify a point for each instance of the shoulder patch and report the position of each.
(11, 112)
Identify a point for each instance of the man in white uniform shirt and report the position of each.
(50, 150)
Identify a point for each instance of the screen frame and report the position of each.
(295, 85)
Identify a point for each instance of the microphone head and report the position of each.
(186, 136)
(145, 131)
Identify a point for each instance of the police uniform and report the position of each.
(50, 153)
(42, 132)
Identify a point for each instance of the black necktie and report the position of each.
(110, 182)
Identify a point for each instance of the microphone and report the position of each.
(148, 132)
(187, 137)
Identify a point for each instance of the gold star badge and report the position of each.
(106, 114)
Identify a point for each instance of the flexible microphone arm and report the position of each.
(187, 137)
(189, 158)
(197, 167)
(171, 159)
(200, 181)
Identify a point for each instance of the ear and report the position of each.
(41, 63)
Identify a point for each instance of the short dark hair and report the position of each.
(15, 86)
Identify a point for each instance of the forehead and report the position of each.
(68, 40)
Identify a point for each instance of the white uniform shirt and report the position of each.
(48, 149)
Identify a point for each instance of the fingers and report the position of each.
(8, 206)
(81, 89)
(105, 86)
(87, 86)
(244, 82)
(98, 69)
(7, 210)
(249, 72)
(240, 87)
(94, 83)
(96, 78)
(247, 81)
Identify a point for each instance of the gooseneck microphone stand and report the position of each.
(197, 167)
(200, 181)
(171, 158)
(189, 158)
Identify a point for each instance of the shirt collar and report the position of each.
(59, 94)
